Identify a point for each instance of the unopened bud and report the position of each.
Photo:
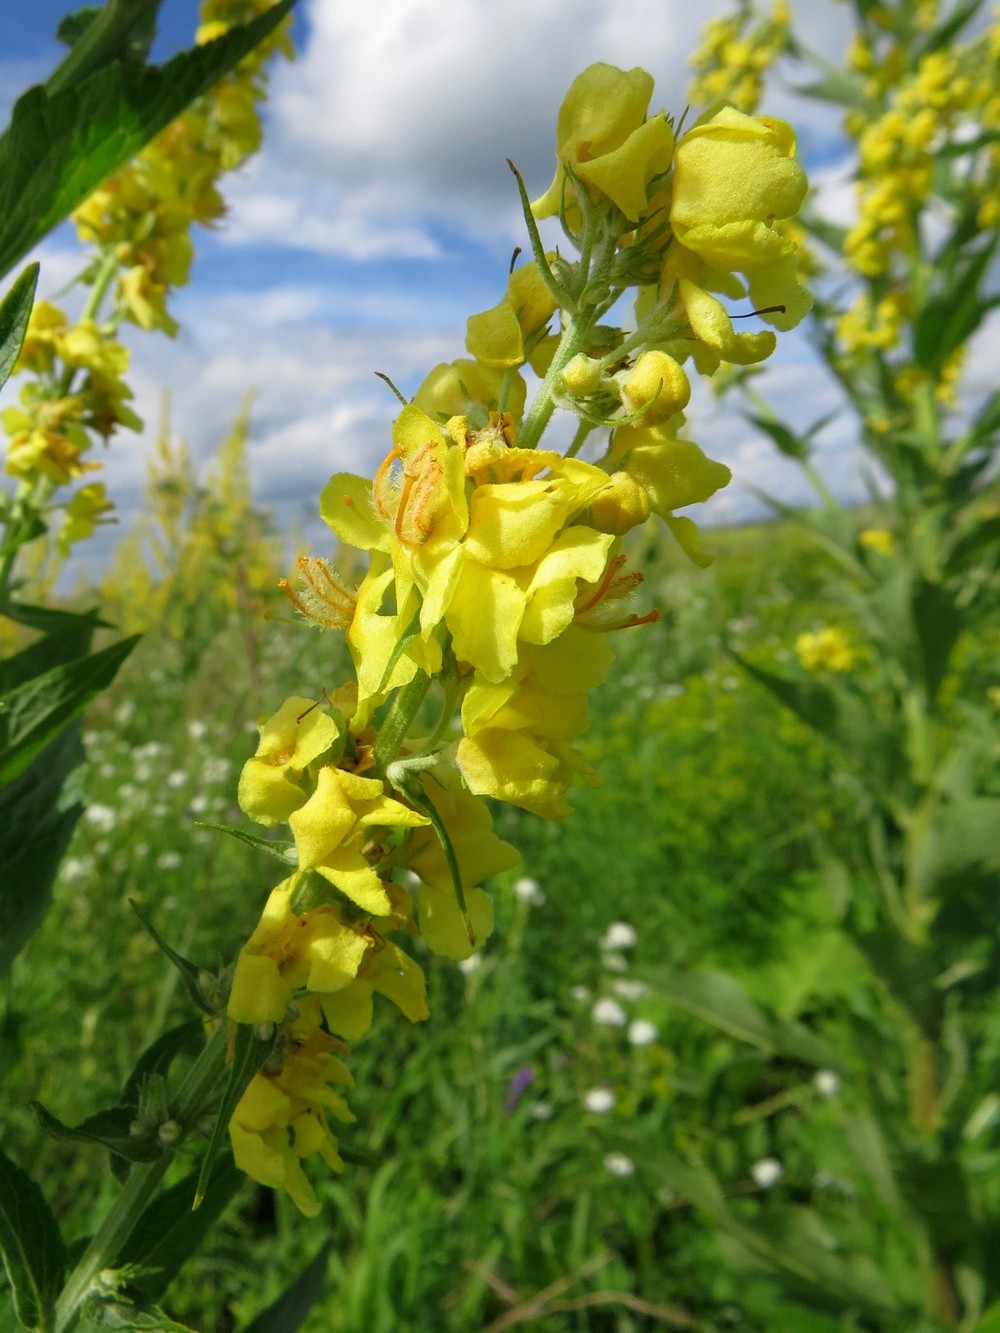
(620, 506)
(582, 375)
(657, 383)
(169, 1132)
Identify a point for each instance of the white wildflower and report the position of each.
(767, 1172)
(619, 1164)
(642, 1033)
(619, 935)
(599, 1100)
(609, 1013)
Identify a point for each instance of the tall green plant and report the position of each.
(903, 685)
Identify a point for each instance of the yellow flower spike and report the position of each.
(88, 508)
(45, 324)
(734, 175)
(272, 783)
(330, 828)
(281, 1118)
(145, 300)
(657, 383)
(604, 107)
(576, 662)
(879, 540)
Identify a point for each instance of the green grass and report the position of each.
(466, 1204)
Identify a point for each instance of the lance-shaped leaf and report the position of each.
(952, 315)
(33, 1251)
(110, 1129)
(289, 1311)
(284, 852)
(190, 972)
(38, 812)
(839, 714)
(32, 714)
(718, 999)
(14, 314)
(168, 1233)
(62, 144)
(249, 1053)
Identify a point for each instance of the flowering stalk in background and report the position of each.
(137, 226)
(900, 687)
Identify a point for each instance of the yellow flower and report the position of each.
(332, 827)
(877, 539)
(287, 951)
(273, 783)
(604, 139)
(88, 508)
(827, 649)
(281, 1118)
(388, 971)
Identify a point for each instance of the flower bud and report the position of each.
(657, 383)
(582, 375)
(622, 505)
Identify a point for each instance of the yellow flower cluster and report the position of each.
(143, 214)
(735, 54)
(139, 222)
(828, 649)
(912, 112)
(496, 572)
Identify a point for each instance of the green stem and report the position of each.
(102, 1252)
(544, 404)
(395, 728)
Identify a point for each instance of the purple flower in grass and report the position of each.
(519, 1084)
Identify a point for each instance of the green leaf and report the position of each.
(158, 1058)
(938, 624)
(50, 620)
(718, 999)
(168, 1233)
(249, 1054)
(33, 1251)
(33, 714)
(790, 444)
(989, 1321)
(72, 27)
(190, 972)
(62, 144)
(285, 852)
(289, 1311)
(962, 839)
(950, 317)
(109, 1129)
(38, 812)
(837, 713)
(15, 311)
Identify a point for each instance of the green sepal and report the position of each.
(34, 1255)
(285, 852)
(190, 973)
(288, 1313)
(61, 144)
(249, 1054)
(15, 311)
(33, 713)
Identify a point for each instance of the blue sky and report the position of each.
(380, 214)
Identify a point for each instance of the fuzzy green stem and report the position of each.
(544, 404)
(399, 720)
(102, 1252)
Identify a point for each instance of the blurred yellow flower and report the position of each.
(826, 649)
